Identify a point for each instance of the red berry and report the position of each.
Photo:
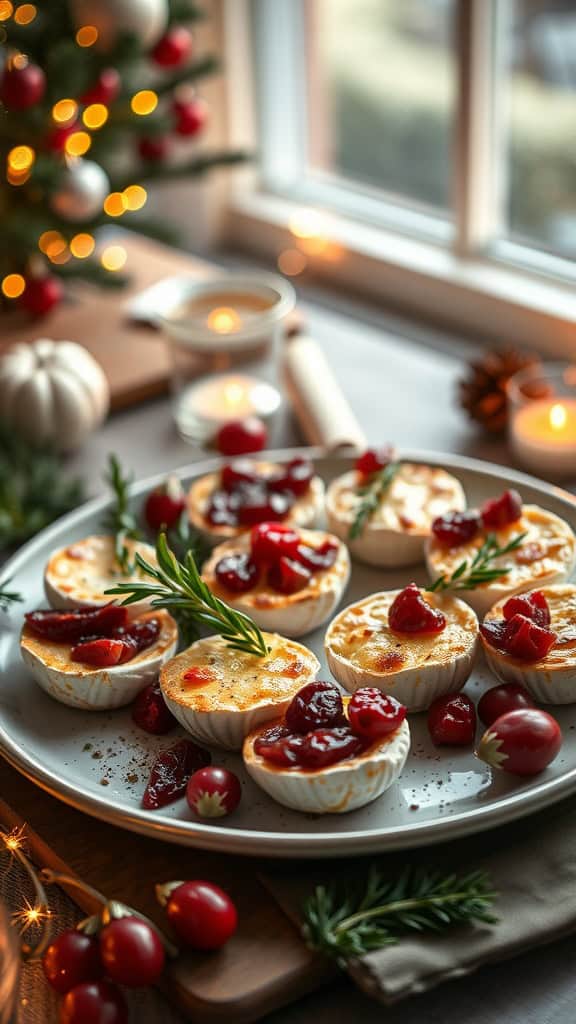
(454, 528)
(95, 1002)
(71, 959)
(142, 633)
(287, 577)
(171, 772)
(257, 506)
(518, 637)
(271, 541)
(154, 149)
(522, 742)
(317, 705)
(75, 623)
(102, 652)
(503, 698)
(41, 294)
(165, 505)
(202, 915)
(279, 746)
(150, 712)
(452, 720)
(317, 559)
(373, 460)
(410, 613)
(374, 714)
(295, 477)
(132, 952)
(105, 89)
(21, 88)
(237, 573)
(533, 605)
(324, 747)
(213, 792)
(503, 511)
(190, 120)
(173, 48)
(238, 437)
(239, 473)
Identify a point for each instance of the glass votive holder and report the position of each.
(208, 403)
(542, 419)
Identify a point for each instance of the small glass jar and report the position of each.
(542, 419)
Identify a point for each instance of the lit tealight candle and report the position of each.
(543, 436)
(206, 405)
(224, 320)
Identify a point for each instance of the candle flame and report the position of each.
(223, 320)
(558, 416)
(233, 393)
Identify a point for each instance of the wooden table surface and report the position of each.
(401, 389)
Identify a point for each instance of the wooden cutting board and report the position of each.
(263, 967)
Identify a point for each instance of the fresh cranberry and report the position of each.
(257, 506)
(374, 714)
(165, 505)
(213, 792)
(132, 952)
(324, 747)
(373, 460)
(455, 528)
(294, 478)
(94, 1002)
(202, 915)
(270, 541)
(150, 711)
(410, 613)
(317, 705)
(103, 652)
(499, 700)
(76, 623)
(522, 742)
(170, 773)
(237, 573)
(452, 720)
(239, 437)
(71, 959)
(503, 511)
(288, 577)
(533, 605)
(317, 559)
(237, 474)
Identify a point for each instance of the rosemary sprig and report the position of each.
(8, 597)
(371, 494)
(471, 574)
(119, 520)
(350, 925)
(178, 587)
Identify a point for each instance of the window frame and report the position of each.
(453, 274)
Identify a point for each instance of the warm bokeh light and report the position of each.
(6, 9)
(21, 158)
(558, 416)
(292, 262)
(144, 102)
(134, 197)
(95, 115)
(17, 177)
(48, 238)
(64, 111)
(87, 35)
(306, 223)
(78, 143)
(14, 840)
(82, 246)
(113, 257)
(24, 14)
(59, 254)
(223, 320)
(114, 204)
(29, 915)
(13, 285)
(18, 61)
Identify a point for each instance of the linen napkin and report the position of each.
(532, 866)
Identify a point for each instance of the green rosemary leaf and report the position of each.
(371, 495)
(469, 575)
(119, 520)
(8, 597)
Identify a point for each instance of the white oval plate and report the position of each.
(100, 762)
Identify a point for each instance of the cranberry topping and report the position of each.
(238, 573)
(454, 528)
(222, 509)
(503, 511)
(452, 720)
(237, 474)
(76, 623)
(279, 746)
(150, 711)
(317, 705)
(317, 559)
(373, 460)
(295, 478)
(171, 771)
(258, 505)
(103, 652)
(143, 634)
(324, 747)
(410, 613)
(287, 577)
(270, 541)
(374, 714)
(519, 637)
(533, 605)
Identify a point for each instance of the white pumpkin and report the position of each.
(53, 392)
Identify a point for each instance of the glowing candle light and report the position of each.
(224, 320)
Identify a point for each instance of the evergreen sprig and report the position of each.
(8, 597)
(178, 587)
(119, 520)
(346, 925)
(371, 494)
(471, 574)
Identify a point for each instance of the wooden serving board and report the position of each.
(263, 967)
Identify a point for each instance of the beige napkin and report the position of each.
(532, 866)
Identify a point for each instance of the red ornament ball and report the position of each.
(57, 138)
(191, 116)
(105, 89)
(173, 48)
(154, 150)
(21, 88)
(41, 294)
(239, 437)
(202, 914)
(95, 1002)
(131, 952)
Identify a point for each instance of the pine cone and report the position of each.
(483, 392)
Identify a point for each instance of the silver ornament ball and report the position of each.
(145, 19)
(81, 191)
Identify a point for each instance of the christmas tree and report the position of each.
(94, 96)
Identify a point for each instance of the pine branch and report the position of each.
(8, 597)
(192, 169)
(350, 925)
(371, 496)
(480, 571)
(119, 520)
(206, 66)
(178, 587)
